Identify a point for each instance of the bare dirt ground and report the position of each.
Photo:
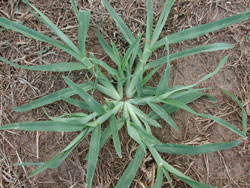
(227, 169)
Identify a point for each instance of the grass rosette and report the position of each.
(125, 91)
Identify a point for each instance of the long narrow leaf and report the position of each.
(184, 99)
(131, 170)
(29, 164)
(48, 164)
(109, 69)
(183, 106)
(145, 135)
(197, 31)
(45, 126)
(54, 28)
(70, 147)
(161, 22)
(188, 52)
(133, 48)
(123, 27)
(73, 3)
(108, 92)
(185, 178)
(195, 150)
(164, 80)
(159, 178)
(149, 75)
(162, 113)
(115, 135)
(56, 96)
(36, 35)
(107, 133)
(93, 155)
(83, 26)
(57, 159)
(167, 175)
(108, 88)
(55, 67)
(144, 117)
(174, 171)
(135, 79)
(117, 55)
(77, 103)
(93, 104)
(221, 64)
(134, 135)
(150, 14)
(73, 120)
(106, 47)
(244, 114)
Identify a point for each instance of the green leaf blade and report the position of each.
(150, 14)
(164, 80)
(48, 99)
(53, 27)
(57, 159)
(123, 27)
(162, 113)
(55, 67)
(115, 135)
(77, 103)
(244, 114)
(93, 104)
(93, 154)
(188, 52)
(197, 31)
(159, 178)
(220, 65)
(74, 5)
(162, 20)
(131, 170)
(106, 47)
(50, 126)
(35, 35)
(83, 26)
(226, 124)
(195, 150)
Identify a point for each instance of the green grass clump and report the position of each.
(125, 91)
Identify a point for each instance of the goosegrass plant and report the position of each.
(125, 90)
